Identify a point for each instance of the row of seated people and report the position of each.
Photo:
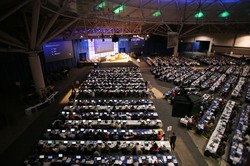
(102, 93)
(216, 60)
(218, 83)
(210, 81)
(240, 144)
(246, 71)
(173, 61)
(110, 109)
(114, 72)
(116, 160)
(247, 98)
(104, 134)
(217, 141)
(110, 102)
(208, 115)
(69, 115)
(168, 71)
(108, 124)
(237, 92)
(114, 82)
(203, 122)
(99, 147)
(229, 84)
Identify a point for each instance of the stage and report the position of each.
(118, 58)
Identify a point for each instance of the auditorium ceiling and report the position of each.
(35, 22)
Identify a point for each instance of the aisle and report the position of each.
(186, 150)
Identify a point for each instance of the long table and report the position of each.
(111, 144)
(101, 122)
(215, 138)
(111, 115)
(110, 108)
(108, 160)
(83, 133)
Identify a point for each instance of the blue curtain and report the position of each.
(80, 46)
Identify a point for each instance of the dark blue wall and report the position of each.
(157, 45)
(124, 45)
(153, 45)
(186, 46)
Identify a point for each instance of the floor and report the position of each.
(22, 133)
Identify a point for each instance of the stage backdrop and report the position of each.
(102, 46)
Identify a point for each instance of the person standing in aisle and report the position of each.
(172, 141)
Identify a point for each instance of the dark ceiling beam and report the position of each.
(147, 30)
(34, 23)
(140, 7)
(74, 28)
(181, 26)
(14, 10)
(10, 43)
(26, 25)
(49, 25)
(169, 28)
(217, 28)
(57, 32)
(162, 7)
(7, 37)
(221, 3)
(12, 50)
(202, 9)
(178, 9)
(160, 34)
(61, 14)
(190, 30)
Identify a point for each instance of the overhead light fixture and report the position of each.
(199, 15)
(156, 13)
(119, 9)
(224, 14)
(101, 5)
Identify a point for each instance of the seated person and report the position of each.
(159, 136)
(154, 149)
(163, 150)
(138, 150)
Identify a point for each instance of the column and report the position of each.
(176, 53)
(210, 47)
(37, 74)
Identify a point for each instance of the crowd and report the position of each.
(119, 82)
(109, 130)
(227, 81)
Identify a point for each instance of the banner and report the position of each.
(172, 39)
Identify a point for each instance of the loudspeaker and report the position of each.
(115, 38)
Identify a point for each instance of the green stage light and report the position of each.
(101, 5)
(119, 9)
(199, 15)
(156, 13)
(224, 14)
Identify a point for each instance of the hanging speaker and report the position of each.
(115, 38)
